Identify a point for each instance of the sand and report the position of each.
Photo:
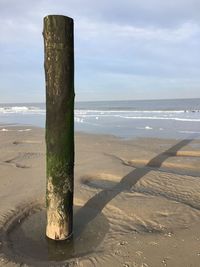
(136, 202)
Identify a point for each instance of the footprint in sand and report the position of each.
(26, 142)
(15, 162)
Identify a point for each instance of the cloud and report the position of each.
(127, 43)
(139, 19)
(151, 12)
(88, 29)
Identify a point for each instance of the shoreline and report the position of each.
(145, 192)
(28, 127)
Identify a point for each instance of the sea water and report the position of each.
(177, 118)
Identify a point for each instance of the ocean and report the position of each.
(176, 118)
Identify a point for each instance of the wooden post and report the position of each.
(59, 76)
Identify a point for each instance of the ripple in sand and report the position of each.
(140, 206)
(100, 181)
(24, 239)
(99, 184)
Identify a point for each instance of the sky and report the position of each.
(124, 49)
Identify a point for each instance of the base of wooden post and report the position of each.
(58, 228)
(52, 235)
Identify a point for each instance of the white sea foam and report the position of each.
(77, 119)
(21, 109)
(144, 128)
(176, 115)
(159, 118)
(189, 132)
(139, 117)
(96, 113)
(81, 115)
(148, 128)
(24, 130)
(11, 130)
(110, 112)
(84, 111)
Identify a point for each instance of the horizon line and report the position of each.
(85, 101)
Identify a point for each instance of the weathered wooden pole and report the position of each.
(59, 76)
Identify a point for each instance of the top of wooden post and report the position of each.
(58, 28)
(57, 17)
(54, 22)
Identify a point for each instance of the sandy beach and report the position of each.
(136, 202)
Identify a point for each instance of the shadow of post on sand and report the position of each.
(101, 199)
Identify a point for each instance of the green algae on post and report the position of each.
(59, 75)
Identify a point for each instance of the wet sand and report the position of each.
(137, 202)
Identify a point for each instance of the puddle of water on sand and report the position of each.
(26, 241)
